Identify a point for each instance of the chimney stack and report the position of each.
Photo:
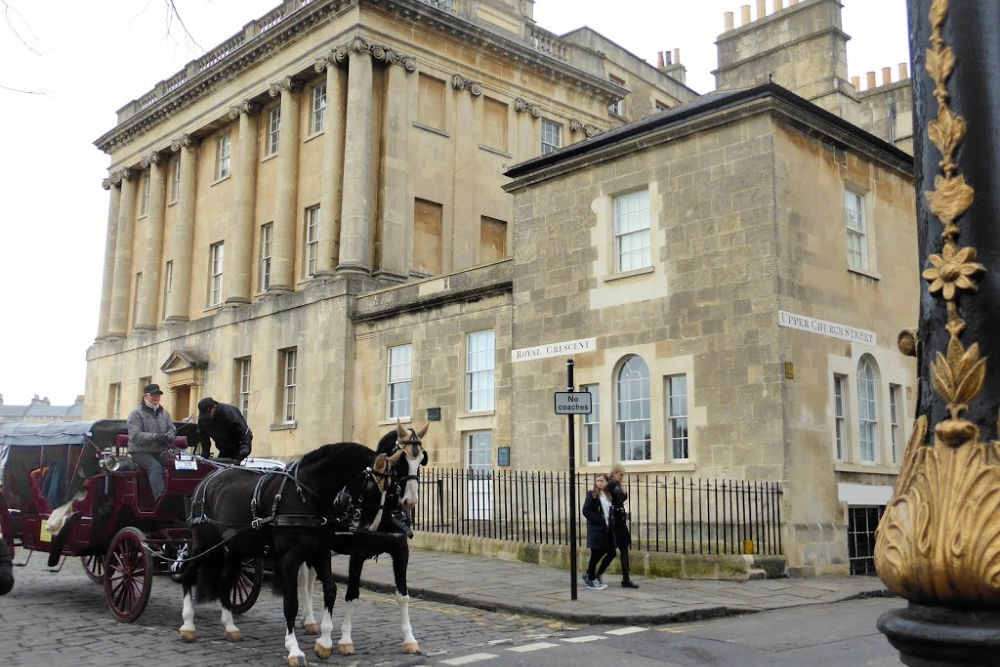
(659, 60)
(677, 56)
(779, 5)
(903, 74)
(761, 9)
(727, 21)
(666, 55)
(745, 14)
(856, 82)
(871, 80)
(886, 76)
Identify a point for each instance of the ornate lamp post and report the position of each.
(938, 544)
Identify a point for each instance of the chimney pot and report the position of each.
(727, 21)
(856, 82)
(871, 80)
(677, 56)
(761, 9)
(659, 60)
(903, 74)
(779, 5)
(886, 76)
(744, 14)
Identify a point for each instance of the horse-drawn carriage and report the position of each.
(68, 489)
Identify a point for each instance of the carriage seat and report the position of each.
(35, 481)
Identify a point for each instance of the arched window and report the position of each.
(632, 389)
(867, 410)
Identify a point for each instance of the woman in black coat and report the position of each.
(619, 520)
(600, 536)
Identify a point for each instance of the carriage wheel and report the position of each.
(128, 576)
(6, 530)
(93, 567)
(246, 588)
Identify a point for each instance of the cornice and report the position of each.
(190, 85)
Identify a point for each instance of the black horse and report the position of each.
(389, 537)
(293, 515)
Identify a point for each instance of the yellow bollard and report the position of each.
(748, 547)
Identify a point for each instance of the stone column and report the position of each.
(153, 245)
(118, 318)
(333, 162)
(465, 219)
(286, 188)
(239, 241)
(396, 207)
(355, 232)
(113, 184)
(178, 301)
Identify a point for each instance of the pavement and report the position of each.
(535, 590)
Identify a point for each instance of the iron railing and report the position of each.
(667, 513)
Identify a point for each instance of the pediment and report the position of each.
(182, 360)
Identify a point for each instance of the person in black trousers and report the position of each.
(600, 537)
(6, 569)
(623, 537)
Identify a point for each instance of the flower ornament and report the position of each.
(951, 270)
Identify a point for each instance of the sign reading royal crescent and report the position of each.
(554, 349)
(824, 328)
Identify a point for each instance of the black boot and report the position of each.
(628, 583)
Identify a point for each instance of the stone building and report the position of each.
(40, 410)
(354, 211)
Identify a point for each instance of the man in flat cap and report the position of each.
(224, 424)
(151, 432)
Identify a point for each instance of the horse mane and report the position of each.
(387, 443)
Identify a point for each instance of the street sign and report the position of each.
(573, 403)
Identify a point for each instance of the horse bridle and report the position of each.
(411, 448)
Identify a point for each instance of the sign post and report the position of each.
(571, 403)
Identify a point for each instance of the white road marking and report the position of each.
(625, 631)
(468, 659)
(537, 646)
(584, 638)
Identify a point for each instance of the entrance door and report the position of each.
(180, 402)
(479, 486)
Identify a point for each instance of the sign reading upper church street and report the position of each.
(824, 328)
(554, 349)
(573, 403)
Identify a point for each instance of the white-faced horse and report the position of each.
(390, 537)
(293, 514)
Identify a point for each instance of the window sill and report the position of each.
(391, 421)
(872, 468)
(269, 156)
(477, 414)
(171, 202)
(212, 308)
(628, 274)
(287, 426)
(312, 136)
(495, 151)
(220, 180)
(434, 130)
(865, 273)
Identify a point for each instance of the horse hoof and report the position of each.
(411, 647)
(297, 661)
(232, 636)
(322, 652)
(188, 635)
(345, 649)
(311, 628)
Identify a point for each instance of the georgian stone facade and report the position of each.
(354, 210)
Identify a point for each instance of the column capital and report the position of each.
(458, 82)
(153, 158)
(524, 105)
(128, 173)
(106, 183)
(409, 63)
(359, 45)
(287, 85)
(183, 141)
(339, 54)
(244, 107)
(588, 129)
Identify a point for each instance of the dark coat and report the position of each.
(229, 430)
(6, 569)
(599, 534)
(623, 537)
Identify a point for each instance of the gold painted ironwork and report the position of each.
(939, 539)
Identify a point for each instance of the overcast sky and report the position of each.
(70, 64)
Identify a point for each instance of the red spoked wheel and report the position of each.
(246, 588)
(93, 567)
(128, 576)
(6, 530)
